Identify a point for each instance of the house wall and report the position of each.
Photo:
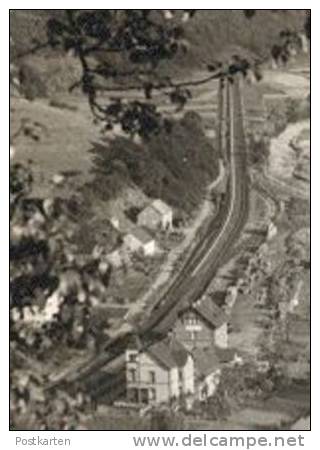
(231, 298)
(143, 366)
(182, 379)
(272, 231)
(166, 220)
(188, 376)
(168, 383)
(149, 249)
(149, 218)
(207, 387)
(132, 243)
(198, 335)
(174, 383)
(153, 219)
(115, 222)
(135, 245)
(221, 336)
(115, 259)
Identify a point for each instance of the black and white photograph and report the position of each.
(160, 220)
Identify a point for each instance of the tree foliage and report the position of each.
(122, 50)
(53, 291)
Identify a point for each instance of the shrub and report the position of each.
(31, 82)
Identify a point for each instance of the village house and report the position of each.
(162, 372)
(138, 240)
(158, 215)
(201, 325)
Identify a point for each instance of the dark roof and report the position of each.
(206, 308)
(206, 361)
(225, 355)
(141, 235)
(168, 353)
(210, 312)
(219, 297)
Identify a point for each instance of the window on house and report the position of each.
(193, 335)
(191, 319)
(152, 377)
(132, 375)
(132, 357)
(195, 320)
(152, 395)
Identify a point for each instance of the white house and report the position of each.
(139, 240)
(202, 325)
(156, 215)
(159, 373)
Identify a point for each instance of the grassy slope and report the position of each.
(64, 138)
(175, 166)
(210, 33)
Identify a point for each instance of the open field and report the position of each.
(61, 137)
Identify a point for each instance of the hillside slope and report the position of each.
(213, 31)
(209, 34)
(175, 166)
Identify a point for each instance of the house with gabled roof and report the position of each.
(157, 215)
(159, 373)
(137, 239)
(202, 324)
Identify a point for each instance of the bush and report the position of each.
(297, 110)
(166, 420)
(31, 82)
(259, 150)
(176, 166)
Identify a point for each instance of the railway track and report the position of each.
(202, 264)
(222, 233)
